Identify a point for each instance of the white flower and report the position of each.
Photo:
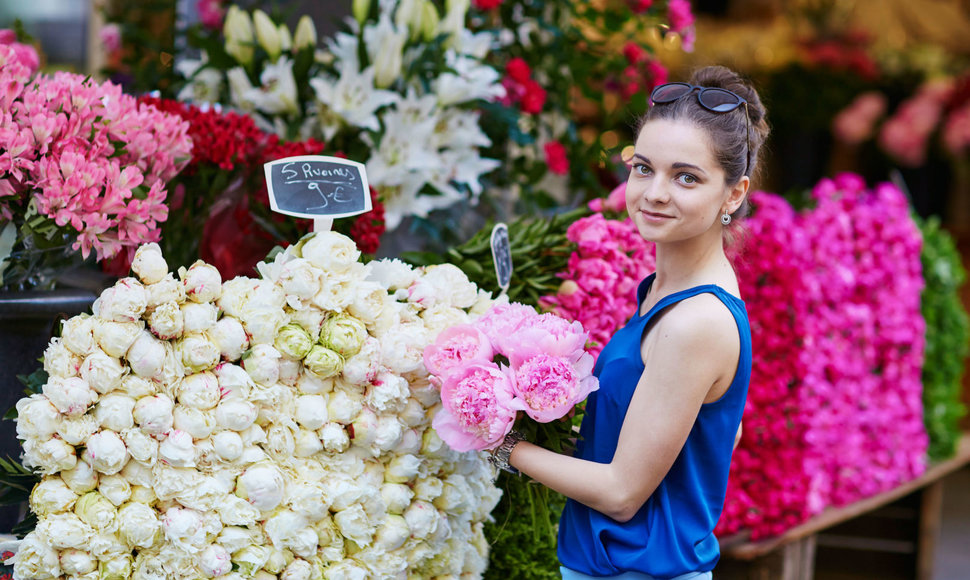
(278, 93)
(235, 294)
(184, 527)
(235, 539)
(103, 373)
(149, 566)
(76, 430)
(402, 468)
(442, 316)
(235, 414)
(293, 341)
(149, 264)
(140, 474)
(168, 289)
(299, 279)
(36, 558)
(238, 31)
(362, 368)
(396, 496)
(166, 321)
(146, 357)
(268, 37)
(280, 442)
(235, 511)
(51, 495)
(154, 414)
(199, 390)
(49, 456)
(77, 334)
(65, 530)
(115, 411)
(410, 442)
(332, 252)
(229, 335)
(443, 283)
(262, 485)
(95, 510)
(422, 518)
(306, 443)
(234, 381)
(290, 371)
(228, 445)
(141, 446)
(76, 562)
(392, 534)
(198, 317)
(288, 529)
(311, 411)
(37, 417)
(392, 273)
(262, 321)
(344, 405)
(106, 452)
(115, 489)
(115, 338)
(298, 570)
(124, 302)
(81, 478)
(334, 437)
(355, 525)
(310, 318)
(59, 361)
(202, 282)
(196, 422)
(352, 98)
(388, 393)
(137, 387)
(346, 570)
(388, 433)
(177, 449)
(308, 384)
(402, 350)
(71, 396)
(262, 364)
(250, 559)
(385, 47)
(197, 352)
(215, 561)
(471, 80)
(413, 414)
(344, 335)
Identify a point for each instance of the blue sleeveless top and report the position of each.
(673, 532)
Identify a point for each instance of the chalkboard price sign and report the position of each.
(502, 255)
(317, 186)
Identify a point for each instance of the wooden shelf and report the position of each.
(739, 548)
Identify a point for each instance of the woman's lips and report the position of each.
(654, 217)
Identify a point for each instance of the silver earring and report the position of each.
(725, 218)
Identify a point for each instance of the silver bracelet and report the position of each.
(500, 457)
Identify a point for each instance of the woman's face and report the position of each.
(676, 188)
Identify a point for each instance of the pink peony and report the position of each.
(111, 38)
(456, 346)
(501, 320)
(547, 387)
(545, 334)
(477, 409)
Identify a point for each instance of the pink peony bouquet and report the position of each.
(511, 359)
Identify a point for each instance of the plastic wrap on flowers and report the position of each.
(273, 427)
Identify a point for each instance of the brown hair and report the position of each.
(727, 130)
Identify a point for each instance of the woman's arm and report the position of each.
(687, 356)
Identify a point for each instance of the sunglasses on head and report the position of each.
(713, 99)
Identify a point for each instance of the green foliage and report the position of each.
(521, 549)
(947, 335)
(539, 251)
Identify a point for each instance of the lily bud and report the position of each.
(361, 8)
(286, 39)
(305, 35)
(238, 31)
(430, 20)
(266, 34)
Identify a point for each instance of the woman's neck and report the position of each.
(683, 265)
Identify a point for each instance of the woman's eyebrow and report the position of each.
(682, 165)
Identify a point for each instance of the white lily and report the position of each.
(353, 99)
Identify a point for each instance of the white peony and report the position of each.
(154, 414)
(49, 456)
(228, 445)
(442, 316)
(197, 353)
(230, 336)
(262, 314)
(142, 494)
(368, 302)
(177, 449)
(202, 282)
(146, 357)
(141, 446)
(344, 405)
(149, 264)
(306, 443)
(65, 530)
(76, 430)
(413, 414)
(106, 452)
(50, 496)
(355, 525)
(329, 251)
(299, 279)
(334, 437)
(77, 334)
(392, 534)
(422, 518)
(137, 387)
(402, 468)
(215, 561)
(199, 391)
(298, 570)
(235, 511)
(311, 411)
(234, 381)
(124, 302)
(115, 411)
(262, 485)
(443, 284)
(60, 361)
(115, 338)
(115, 488)
(95, 510)
(140, 474)
(250, 559)
(82, 478)
(168, 289)
(36, 558)
(71, 396)
(235, 294)
(103, 373)
(235, 538)
(402, 350)
(388, 433)
(346, 570)
(197, 423)
(290, 371)
(262, 364)
(388, 393)
(293, 341)
(308, 384)
(362, 368)
(392, 273)
(280, 442)
(199, 317)
(396, 496)
(166, 321)
(37, 417)
(184, 527)
(76, 562)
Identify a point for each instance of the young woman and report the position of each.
(646, 485)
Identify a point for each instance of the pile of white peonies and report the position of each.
(258, 428)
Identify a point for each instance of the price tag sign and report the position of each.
(502, 255)
(317, 187)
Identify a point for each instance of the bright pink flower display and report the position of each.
(834, 409)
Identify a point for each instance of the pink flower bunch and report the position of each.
(857, 122)
(511, 359)
(834, 408)
(211, 13)
(24, 54)
(599, 285)
(905, 135)
(956, 131)
(86, 156)
(682, 22)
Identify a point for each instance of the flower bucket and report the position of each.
(27, 322)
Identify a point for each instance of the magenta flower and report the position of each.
(457, 346)
(477, 410)
(547, 387)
